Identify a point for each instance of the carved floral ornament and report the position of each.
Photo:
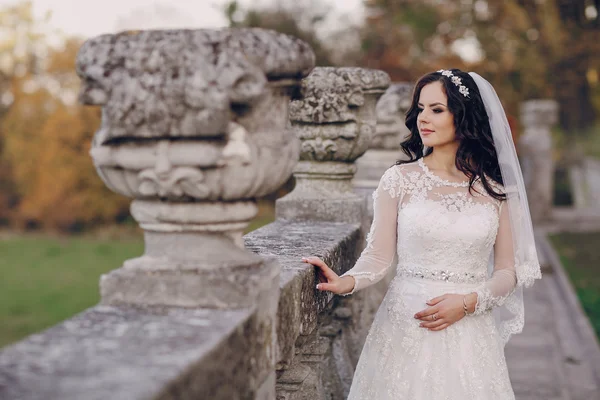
(335, 114)
(331, 94)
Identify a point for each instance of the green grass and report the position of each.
(580, 255)
(44, 280)
(258, 222)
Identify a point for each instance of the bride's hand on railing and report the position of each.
(328, 279)
(445, 310)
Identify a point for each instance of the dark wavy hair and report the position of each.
(476, 156)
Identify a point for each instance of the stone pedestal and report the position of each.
(538, 117)
(335, 120)
(194, 129)
(384, 149)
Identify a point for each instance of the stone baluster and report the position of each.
(385, 149)
(335, 120)
(194, 129)
(538, 117)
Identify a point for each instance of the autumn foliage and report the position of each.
(526, 48)
(47, 179)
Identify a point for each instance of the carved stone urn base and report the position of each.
(194, 257)
(195, 270)
(323, 192)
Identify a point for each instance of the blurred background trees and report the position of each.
(527, 48)
(46, 178)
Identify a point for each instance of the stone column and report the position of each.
(335, 120)
(385, 149)
(194, 129)
(538, 117)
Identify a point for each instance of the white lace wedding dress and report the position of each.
(444, 237)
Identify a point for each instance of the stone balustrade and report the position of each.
(195, 127)
(319, 335)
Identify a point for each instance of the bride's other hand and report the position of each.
(444, 310)
(328, 279)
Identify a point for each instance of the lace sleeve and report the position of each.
(503, 281)
(378, 255)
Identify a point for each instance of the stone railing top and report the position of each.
(133, 353)
(330, 94)
(181, 82)
(300, 303)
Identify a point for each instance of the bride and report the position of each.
(456, 215)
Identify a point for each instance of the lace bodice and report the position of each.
(440, 230)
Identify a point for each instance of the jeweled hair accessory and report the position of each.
(456, 80)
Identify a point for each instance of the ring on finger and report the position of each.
(434, 317)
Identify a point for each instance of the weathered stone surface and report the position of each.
(537, 117)
(319, 335)
(142, 353)
(331, 94)
(183, 82)
(335, 120)
(184, 270)
(194, 128)
(335, 114)
(384, 150)
(323, 192)
(194, 115)
(300, 303)
(391, 113)
(189, 169)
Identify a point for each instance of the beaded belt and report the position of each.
(443, 275)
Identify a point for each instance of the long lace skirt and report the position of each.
(402, 361)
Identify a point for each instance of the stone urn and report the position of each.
(335, 120)
(194, 129)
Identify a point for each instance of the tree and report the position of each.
(527, 48)
(299, 19)
(48, 137)
(21, 47)
(555, 45)
(46, 174)
(408, 38)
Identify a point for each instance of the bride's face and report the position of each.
(435, 121)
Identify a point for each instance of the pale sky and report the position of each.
(89, 18)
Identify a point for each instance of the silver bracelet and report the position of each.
(466, 310)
